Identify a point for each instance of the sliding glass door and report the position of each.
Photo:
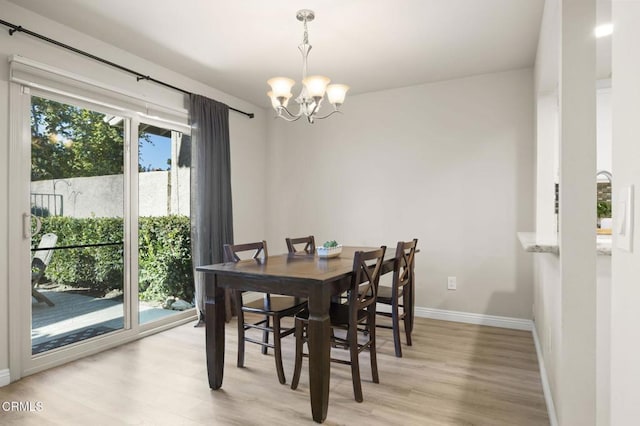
(110, 247)
(77, 194)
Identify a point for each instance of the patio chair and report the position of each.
(39, 263)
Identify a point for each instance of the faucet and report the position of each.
(605, 173)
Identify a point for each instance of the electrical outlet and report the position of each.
(451, 283)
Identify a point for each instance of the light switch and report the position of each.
(624, 219)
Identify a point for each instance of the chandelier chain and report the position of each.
(305, 39)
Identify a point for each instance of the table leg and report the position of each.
(214, 319)
(319, 344)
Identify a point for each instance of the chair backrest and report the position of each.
(367, 266)
(309, 242)
(48, 241)
(231, 251)
(404, 264)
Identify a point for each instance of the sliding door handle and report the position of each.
(26, 225)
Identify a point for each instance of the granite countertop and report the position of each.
(534, 243)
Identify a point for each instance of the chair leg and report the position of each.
(265, 333)
(277, 348)
(395, 321)
(299, 344)
(355, 365)
(372, 346)
(407, 330)
(411, 302)
(408, 318)
(238, 304)
(41, 297)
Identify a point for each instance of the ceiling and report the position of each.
(235, 46)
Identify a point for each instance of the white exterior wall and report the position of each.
(102, 196)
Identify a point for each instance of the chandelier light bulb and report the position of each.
(275, 102)
(336, 93)
(281, 86)
(316, 85)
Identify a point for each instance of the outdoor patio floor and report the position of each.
(77, 317)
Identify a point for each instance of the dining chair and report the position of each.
(270, 308)
(309, 244)
(357, 315)
(400, 293)
(309, 247)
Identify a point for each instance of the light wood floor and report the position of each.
(454, 374)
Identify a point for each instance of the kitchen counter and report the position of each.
(534, 243)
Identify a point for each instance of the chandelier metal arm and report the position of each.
(328, 115)
(316, 100)
(291, 117)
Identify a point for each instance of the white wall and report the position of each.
(449, 163)
(548, 317)
(548, 285)
(247, 136)
(566, 307)
(603, 341)
(625, 293)
(577, 236)
(604, 129)
(248, 176)
(548, 320)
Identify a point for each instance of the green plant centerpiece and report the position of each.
(329, 244)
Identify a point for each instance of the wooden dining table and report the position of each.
(294, 274)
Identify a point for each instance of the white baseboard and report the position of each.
(5, 377)
(546, 388)
(471, 318)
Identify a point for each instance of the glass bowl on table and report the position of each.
(329, 252)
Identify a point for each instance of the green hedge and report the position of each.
(164, 255)
(165, 258)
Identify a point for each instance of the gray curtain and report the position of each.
(211, 212)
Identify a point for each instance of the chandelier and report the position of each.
(313, 87)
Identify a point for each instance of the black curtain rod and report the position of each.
(139, 76)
